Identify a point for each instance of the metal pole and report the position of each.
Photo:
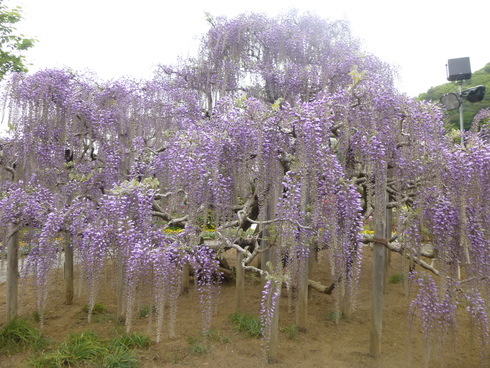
(461, 127)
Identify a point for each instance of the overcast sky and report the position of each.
(117, 38)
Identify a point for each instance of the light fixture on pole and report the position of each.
(451, 101)
(474, 94)
(459, 70)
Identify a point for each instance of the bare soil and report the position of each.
(324, 344)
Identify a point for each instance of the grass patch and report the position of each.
(98, 309)
(120, 358)
(99, 313)
(254, 276)
(36, 316)
(247, 323)
(134, 340)
(335, 316)
(146, 310)
(197, 345)
(396, 278)
(291, 331)
(88, 350)
(104, 318)
(18, 335)
(85, 346)
(217, 335)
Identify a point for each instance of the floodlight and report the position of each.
(474, 94)
(450, 101)
(458, 69)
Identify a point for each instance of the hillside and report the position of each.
(479, 77)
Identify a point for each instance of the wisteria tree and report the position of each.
(283, 137)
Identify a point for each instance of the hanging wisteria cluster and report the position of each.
(284, 123)
(455, 212)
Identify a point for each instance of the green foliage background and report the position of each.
(480, 77)
(12, 45)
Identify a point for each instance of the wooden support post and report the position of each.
(185, 278)
(68, 270)
(266, 255)
(389, 226)
(120, 289)
(303, 295)
(240, 282)
(377, 299)
(274, 333)
(388, 231)
(379, 254)
(272, 256)
(274, 339)
(12, 275)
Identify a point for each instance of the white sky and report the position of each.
(117, 38)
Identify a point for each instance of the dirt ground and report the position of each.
(324, 344)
